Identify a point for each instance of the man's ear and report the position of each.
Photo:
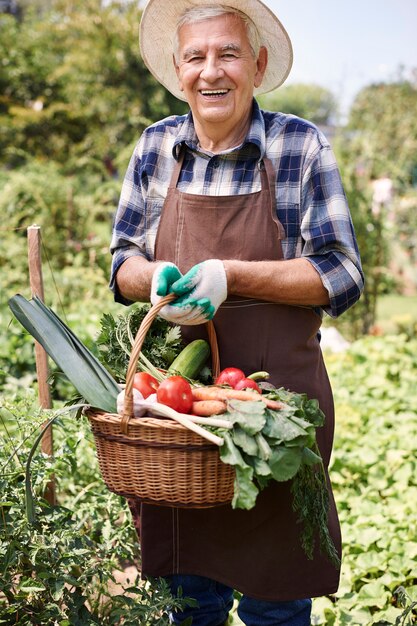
(261, 65)
(177, 71)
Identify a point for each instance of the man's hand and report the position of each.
(163, 277)
(200, 292)
(204, 285)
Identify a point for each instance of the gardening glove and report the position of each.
(204, 288)
(164, 276)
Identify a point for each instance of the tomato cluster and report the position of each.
(174, 391)
(235, 378)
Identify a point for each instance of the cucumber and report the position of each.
(191, 359)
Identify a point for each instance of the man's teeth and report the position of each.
(215, 92)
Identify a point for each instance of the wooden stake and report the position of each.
(41, 357)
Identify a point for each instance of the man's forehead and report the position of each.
(221, 36)
(226, 24)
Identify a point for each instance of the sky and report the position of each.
(346, 45)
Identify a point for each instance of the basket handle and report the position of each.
(137, 346)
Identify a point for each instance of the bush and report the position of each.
(61, 569)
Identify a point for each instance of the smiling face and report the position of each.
(217, 72)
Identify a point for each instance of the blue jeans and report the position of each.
(216, 600)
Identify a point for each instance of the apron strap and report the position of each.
(177, 168)
(267, 170)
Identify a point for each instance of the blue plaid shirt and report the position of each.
(310, 201)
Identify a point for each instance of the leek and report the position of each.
(90, 378)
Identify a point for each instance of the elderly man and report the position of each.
(241, 213)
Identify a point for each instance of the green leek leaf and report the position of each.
(92, 381)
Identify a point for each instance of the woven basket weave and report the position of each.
(157, 460)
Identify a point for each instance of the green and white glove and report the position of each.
(204, 288)
(200, 291)
(163, 278)
(179, 312)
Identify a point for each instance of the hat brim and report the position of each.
(157, 31)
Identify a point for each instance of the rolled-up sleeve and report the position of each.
(328, 233)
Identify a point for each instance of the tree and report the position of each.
(73, 86)
(372, 244)
(310, 102)
(383, 128)
(380, 142)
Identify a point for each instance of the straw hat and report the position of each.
(158, 26)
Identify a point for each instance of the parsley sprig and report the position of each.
(161, 345)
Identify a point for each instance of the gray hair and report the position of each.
(199, 14)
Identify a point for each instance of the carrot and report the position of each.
(208, 393)
(253, 396)
(205, 408)
(241, 394)
(273, 404)
(222, 394)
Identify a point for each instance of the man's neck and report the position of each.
(216, 138)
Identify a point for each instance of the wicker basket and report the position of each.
(157, 460)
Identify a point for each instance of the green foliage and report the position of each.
(370, 232)
(403, 230)
(387, 244)
(310, 102)
(64, 567)
(383, 119)
(40, 194)
(374, 478)
(75, 223)
(161, 345)
(73, 75)
(17, 366)
(381, 141)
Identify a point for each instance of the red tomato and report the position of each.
(145, 383)
(247, 383)
(230, 376)
(175, 392)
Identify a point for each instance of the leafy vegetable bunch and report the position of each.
(161, 344)
(266, 444)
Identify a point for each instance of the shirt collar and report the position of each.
(255, 136)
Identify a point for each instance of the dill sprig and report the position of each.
(311, 504)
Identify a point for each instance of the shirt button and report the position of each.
(215, 163)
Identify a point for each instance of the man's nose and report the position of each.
(212, 69)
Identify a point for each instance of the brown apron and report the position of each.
(257, 552)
